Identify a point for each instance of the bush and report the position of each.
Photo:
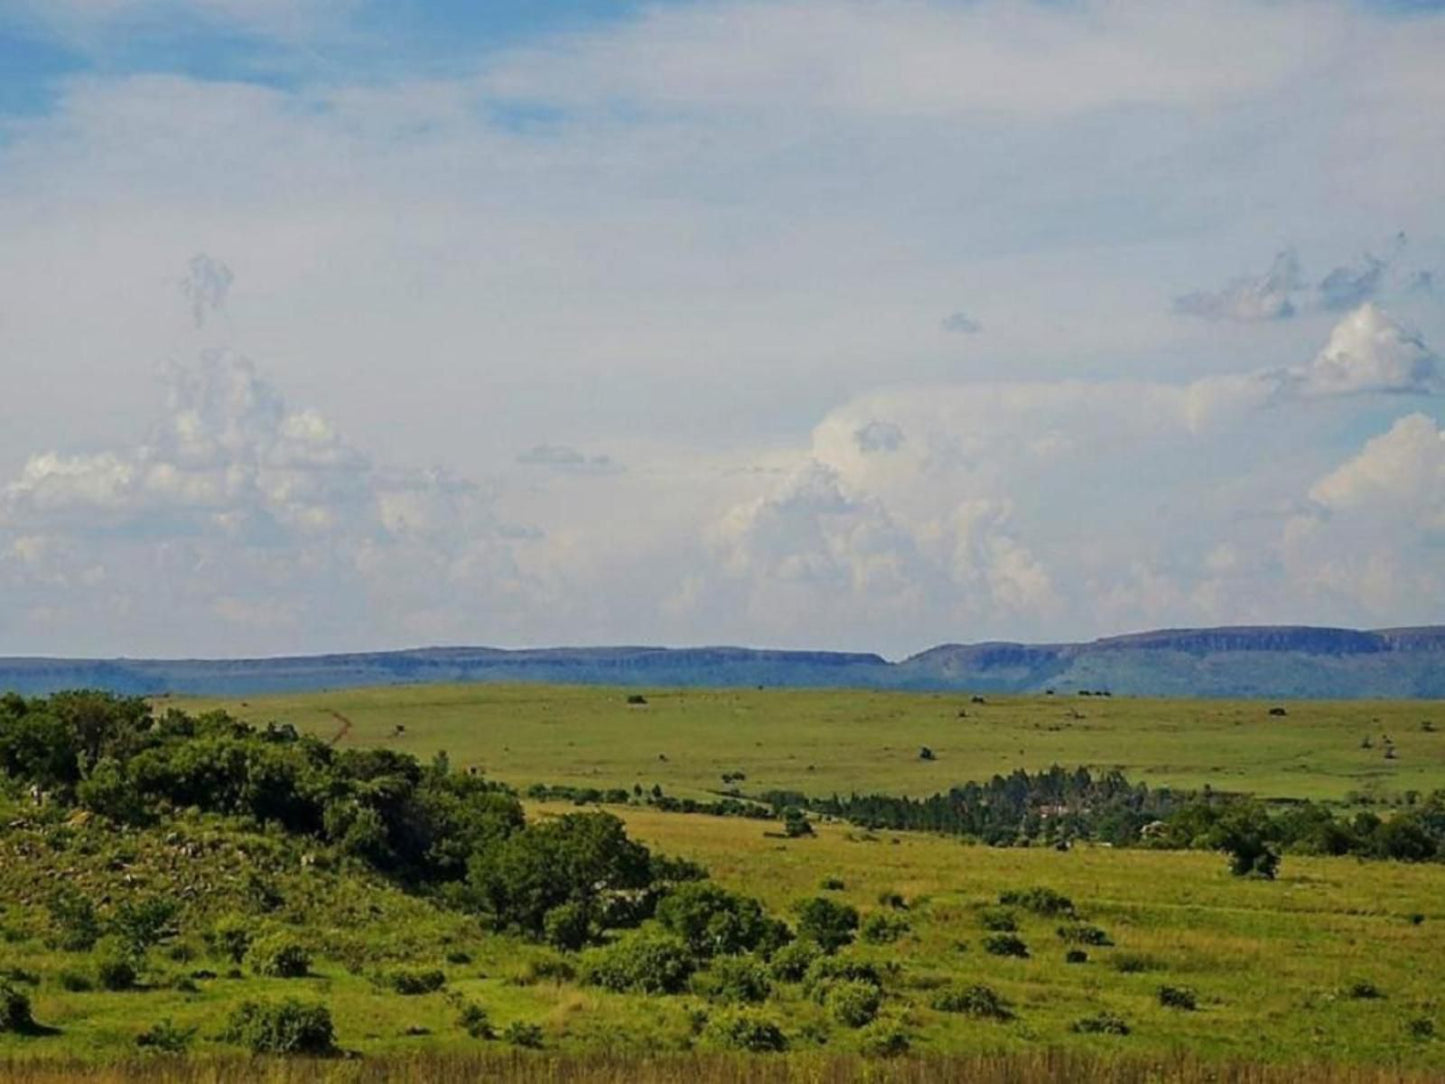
(568, 926)
(1132, 963)
(75, 982)
(414, 983)
(981, 1001)
(832, 884)
(114, 967)
(747, 1030)
(523, 1033)
(998, 919)
(734, 980)
(230, 936)
(882, 929)
(1005, 944)
(15, 1010)
(829, 970)
(1178, 997)
(73, 917)
(646, 961)
(1422, 1027)
(474, 1021)
(1076, 956)
(893, 899)
(713, 921)
(884, 1039)
(854, 1003)
(279, 956)
(282, 1027)
(1101, 1023)
(827, 924)
(1364, 990)
(146, 923)
(796, 824)
(458, 957)
(1082, 934)
(791, 962)
(1041, 901)
(166, 1038)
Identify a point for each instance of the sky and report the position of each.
(349, 324)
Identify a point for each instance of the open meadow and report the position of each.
(822, 741)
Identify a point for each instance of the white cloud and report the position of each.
(1265, 297)
(1368, 351)
(1401, 472)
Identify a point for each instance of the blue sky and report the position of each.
(339, 324)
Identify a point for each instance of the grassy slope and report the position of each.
(822, 741)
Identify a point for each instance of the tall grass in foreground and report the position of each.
(1042, 1067)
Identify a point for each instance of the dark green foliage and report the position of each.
(279, 956)
(746, 1030)
(1041, 901)
(166, 1038)
(832, 884)
(791, 962)
(998, 919)
(115, 965)
(1005, 944)
(230, 936)
(75, 982)
(1100, 1023)
(884, 1039)
(143, 924)
(827, 971)
(1178, 997)
(1363, 990)
(1421, 1027)
(734, 980)
(523, 1033)
(645, 961)
(827, 924)
(15, 1014)
(568, 926)
(473, 1019)
(1076, 956)
(459, 957)
(1133, 963)
(413, 983)
(282, 1027)
(853, 1003)
(795, 823)
(893, 899)
(882, 929)
(981, 1001)
(1084, 934)
(72, 915)
(713, 921)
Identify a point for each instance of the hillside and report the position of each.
(1257, 661)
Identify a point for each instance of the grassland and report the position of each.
(819, 742)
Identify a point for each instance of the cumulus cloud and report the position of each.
(1351, 285)
(1368, 351)
(1257, 297)
(878, 436)
(1401, 471)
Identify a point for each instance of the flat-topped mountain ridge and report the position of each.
(1231, 661)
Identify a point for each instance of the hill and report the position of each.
(1243, 661)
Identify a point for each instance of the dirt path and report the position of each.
(345, 725)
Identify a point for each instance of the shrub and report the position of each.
(545, 969)
(1132, 963)
(1083, 934)
(649, 962)
(414, 983)
(15, 1010)
(1363, 990)
(882, 929)
(854, 1003)
(791, 962)
(1041, 901)
(1076, 956)
(523, 1033)
(796, 823)
(146, 923)
(998, 919)
(230, 936)
(744, 1029)
(735, 980)
(1005, 944)
(279, 956)
(1100, 1023)
(1178, 997)
(75, 982)
(458, 957)
(166, 1038)
(568, 926)
(893, 899)
(114, 967)
(827, 924)
(832, 884)
(73, 916)
(829, 970)
(474, 1021)
(282, 1027)
(1422, 1027)
(713, 921)
(884, 1039)
(981, 1001)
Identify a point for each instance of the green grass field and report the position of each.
(844, 740)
